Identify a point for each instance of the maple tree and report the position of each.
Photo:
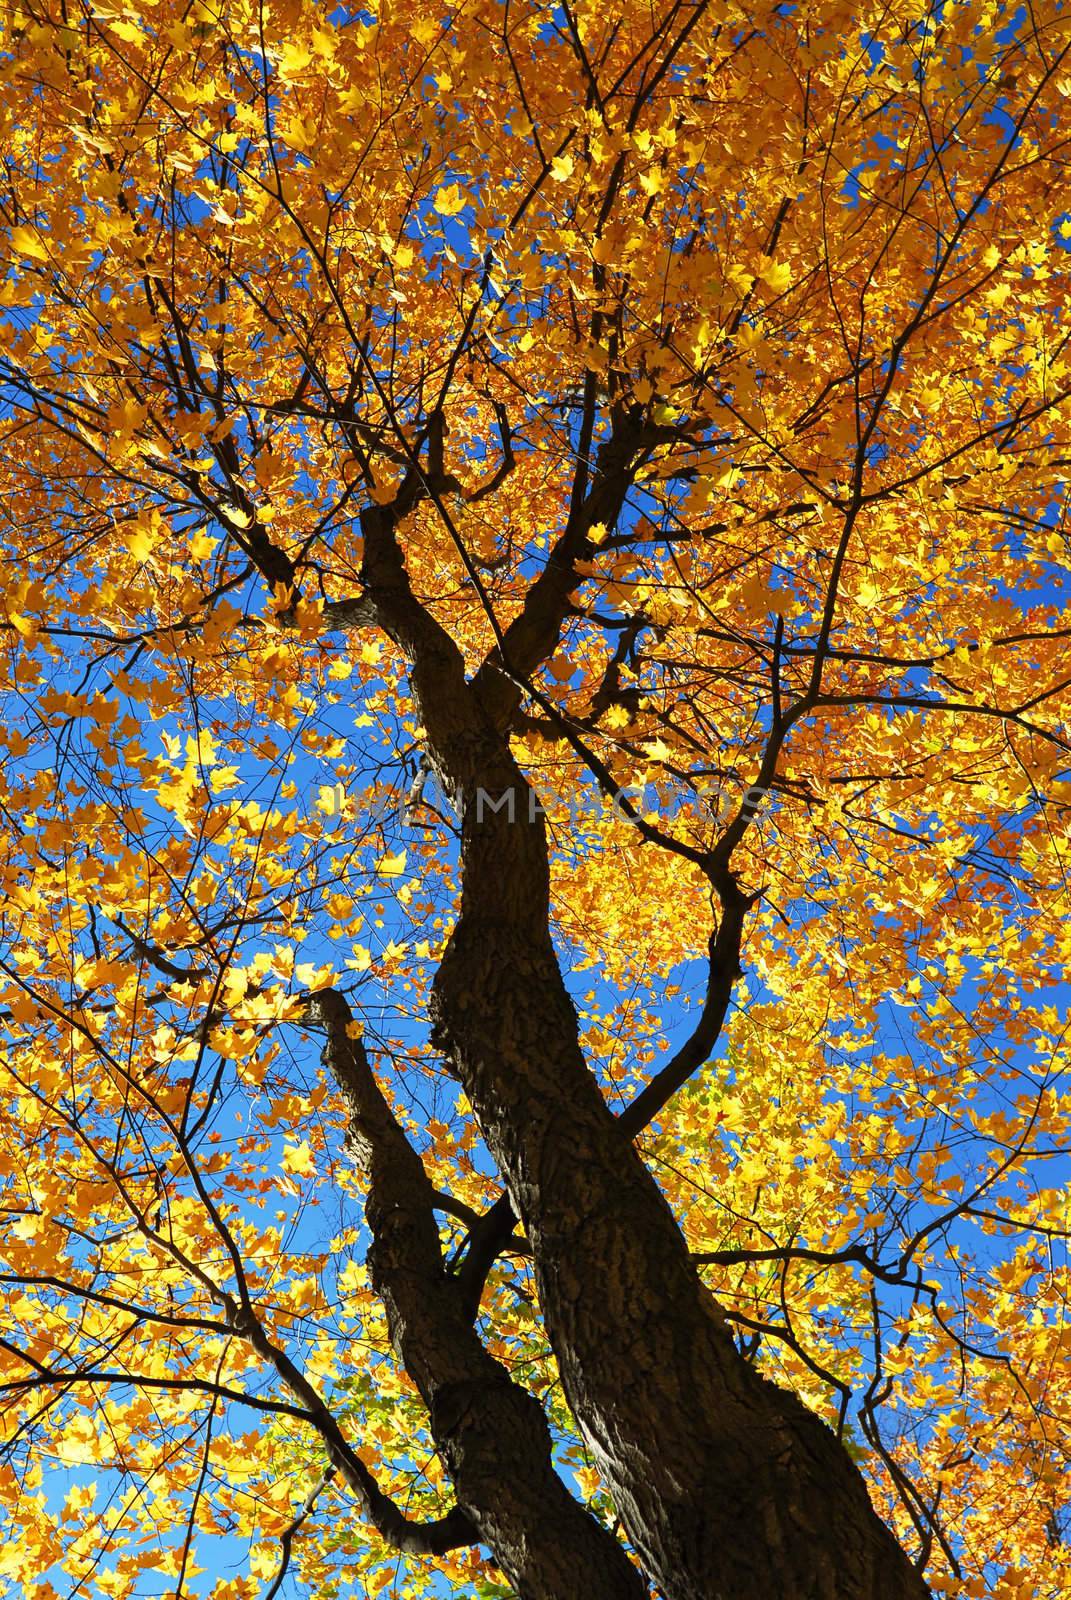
(535, 799)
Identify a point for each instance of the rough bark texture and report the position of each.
(491, 1433)
(727, 1486)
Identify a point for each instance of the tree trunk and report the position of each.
(729, 1488)
(726, 1485)
(490, 1432)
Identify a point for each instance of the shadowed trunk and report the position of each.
(491, 1433)
(726, 1485)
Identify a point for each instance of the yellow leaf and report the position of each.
(330, 799)
(325, 44)
(25, 242)
(391, 866)
(297, 1158)
(313, 977)
(450, 200)
(141, 542)
(202, 545)
(293, 58)
(776, 275)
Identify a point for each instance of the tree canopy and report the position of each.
(535, 799)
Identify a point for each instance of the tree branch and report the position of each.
(475, 1409)
(724, 969)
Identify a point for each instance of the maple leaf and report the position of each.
(619, 771)
(776, 275)
(26, 242)
(450, 200)
(299, 1159)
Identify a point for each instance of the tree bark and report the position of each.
(491, 1433)
(728, 1487)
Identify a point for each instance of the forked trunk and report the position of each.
(728, 1486)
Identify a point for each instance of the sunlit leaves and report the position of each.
(255, 284)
